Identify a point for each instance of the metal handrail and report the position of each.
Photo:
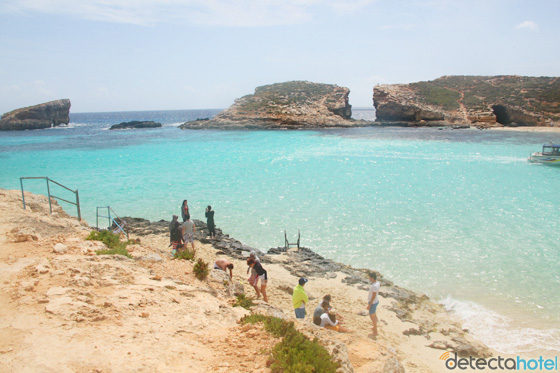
(111, 220)
(77, 203)
(288, 244)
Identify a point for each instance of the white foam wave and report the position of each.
(175, 124)
(499, 332)
(71, 125)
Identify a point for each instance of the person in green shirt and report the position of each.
(299, 299)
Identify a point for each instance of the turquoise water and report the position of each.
(458, 214)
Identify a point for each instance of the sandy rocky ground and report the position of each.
(65, 309)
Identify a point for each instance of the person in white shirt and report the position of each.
(373, 300)
(329, 321)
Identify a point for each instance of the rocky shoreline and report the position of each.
(305, 262)
(65, 308)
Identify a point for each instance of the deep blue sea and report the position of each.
(458, 214)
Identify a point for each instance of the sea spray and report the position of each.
(500, 332)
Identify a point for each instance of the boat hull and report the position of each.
(545, 159)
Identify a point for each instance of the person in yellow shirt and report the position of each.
(300, 299)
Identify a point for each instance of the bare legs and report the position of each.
(263, 291)
(373, 318)
(258, 291)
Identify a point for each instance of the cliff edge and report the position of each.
(47, 115)
(471, 100)
(291, 105)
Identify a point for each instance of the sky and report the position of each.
(132, 55)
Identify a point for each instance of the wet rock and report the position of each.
(353, 280)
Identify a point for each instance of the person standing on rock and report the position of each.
(188, 232)
(210, 222)
(185, 210)
(373, 300)
(300, 299)
(261, 275)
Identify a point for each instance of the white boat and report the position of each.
(550, 155)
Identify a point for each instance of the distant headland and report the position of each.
(464, 101)
(289, 105)
(483, 101)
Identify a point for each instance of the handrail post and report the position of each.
(78, 204)
(97, 217)
(109, 217)
(49, 194)
(22, 194)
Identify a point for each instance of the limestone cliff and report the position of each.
(47, 115)
(292, 105)
(473, 100)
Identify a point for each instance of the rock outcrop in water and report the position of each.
(471, 100)
(47, 115)
(291, 105)
(135, 124)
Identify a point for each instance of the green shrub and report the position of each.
(118, 251)
(184, 254)
(112, 241)
(200, 269)
(433, 94)
(243, 301)
(295, 353)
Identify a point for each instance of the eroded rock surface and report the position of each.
(290, 105)
(47, 115)
(471, 100)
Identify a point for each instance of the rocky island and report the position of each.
(471, 100)
(47, 115)
(289, 105)
(135, 124)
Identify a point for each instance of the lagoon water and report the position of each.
(458, 214)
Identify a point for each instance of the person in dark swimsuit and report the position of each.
(185, 210)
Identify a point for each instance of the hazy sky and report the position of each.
(117, 55)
